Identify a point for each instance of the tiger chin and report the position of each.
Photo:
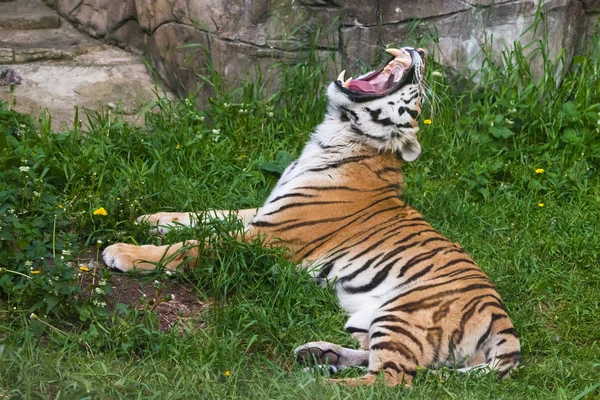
(414, 298)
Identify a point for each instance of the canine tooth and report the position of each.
(404, 61)
(394, 52)
(345, 84)
(341, 76)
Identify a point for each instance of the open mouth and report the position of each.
(383, 81)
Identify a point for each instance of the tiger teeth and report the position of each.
(394, 52)
(341, 76)
(404, 61)
(400, 57)
(347, 82)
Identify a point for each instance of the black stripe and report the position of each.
(404, 332)
(462, 290)
(508, 331)
(404, 125)
(290, 195)
(385, 122)
(476, 298)
(359, 131)
(485, 336)
(352, 329)
(265, 223)
(354, 274)
(395, 347)
(312, 203)
(379, 277)
(413, 113)
(513, 354)
(339, 163)
(389, 318)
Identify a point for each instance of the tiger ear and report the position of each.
(410, 148)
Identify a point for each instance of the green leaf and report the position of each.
(501, 133)
(51, 302)
(284, 159)
(270, 166)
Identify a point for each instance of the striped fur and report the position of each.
(415, 298)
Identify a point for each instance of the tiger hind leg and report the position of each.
(331, 356)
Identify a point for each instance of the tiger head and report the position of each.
(381, 107)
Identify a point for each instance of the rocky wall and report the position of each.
(239, 37)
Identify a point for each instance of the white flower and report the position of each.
(66, 252)
(156, 284)
(24, 168)
(99, 291)
(436, 73)
(202, 118)
(270, 114)
(28, 263)
(171, 297)
(36, 194)
(216, 131)
(102, 282)
(100, 304)
(225, 105)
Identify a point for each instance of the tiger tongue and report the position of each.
(362, 86)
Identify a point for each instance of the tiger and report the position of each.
(414, 298)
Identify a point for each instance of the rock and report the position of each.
(591, 6)
(44, 44)
(97, 17)
(175, 63)
(128, 36)
(153, 13)
(90, 80)
(395, 11)
(244, 35)
(27, 14)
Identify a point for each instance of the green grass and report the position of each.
(476, 182)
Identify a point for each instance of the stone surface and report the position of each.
(128, 36)
(97, 17)
(177, 65)
(90, 81)
(245, 36)
(153, 13)
(591, 6)
(62, 67)
(27, 14)
(47, 44)
(394, 11)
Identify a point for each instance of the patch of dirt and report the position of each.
(185, 306)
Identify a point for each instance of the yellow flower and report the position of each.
(100, 211)
(83, 268)
(540, 204)
(227, 373)
(60, 206)
(539, 171)
(427, 122)
(35, 271)
(118, 199)
(178, 146)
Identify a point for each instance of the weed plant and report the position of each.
(509, 170)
